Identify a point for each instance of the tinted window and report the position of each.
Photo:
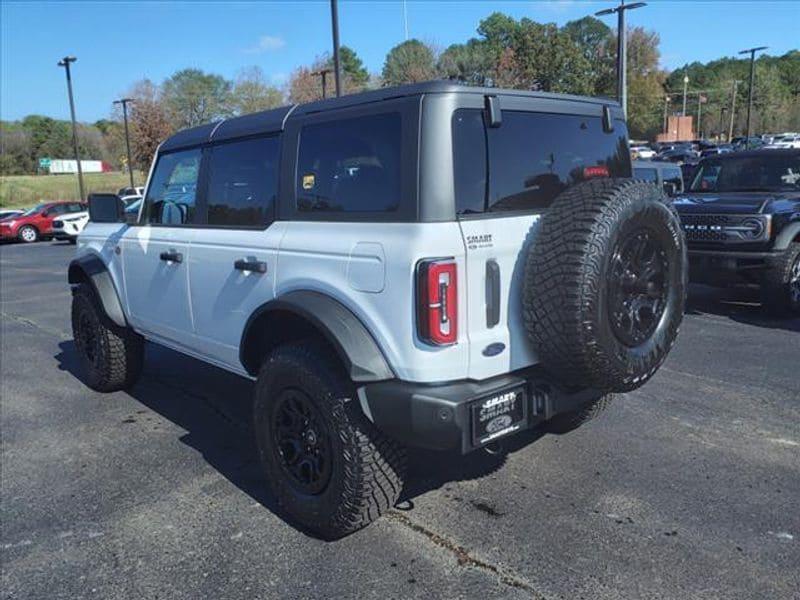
(350, 165)
(646, 174)
(171, 196)
(770, 172)
(673, 176)
(469, 161)
(242, 182)
(533, 157)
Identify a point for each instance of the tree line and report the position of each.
(577, 58)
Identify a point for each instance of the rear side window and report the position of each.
(242, 182)
(646, 174)
(533, 157)
(350, 165)
(172, 194)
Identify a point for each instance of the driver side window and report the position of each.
(172, 195)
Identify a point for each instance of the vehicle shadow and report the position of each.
(740, 304)
(214, 408)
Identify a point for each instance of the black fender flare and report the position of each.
(358, 350)
(787, 234)
(91, 268)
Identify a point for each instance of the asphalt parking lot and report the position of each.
(687, 488)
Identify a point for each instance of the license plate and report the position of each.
(498, 415)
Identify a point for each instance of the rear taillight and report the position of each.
(437, 301)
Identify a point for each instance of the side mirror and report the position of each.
(45, 213)
(106, 208)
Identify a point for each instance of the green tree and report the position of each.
(192, 97)
(596, 41)
(409, 62)
(251, 93)
(352, 68)
(470, 63)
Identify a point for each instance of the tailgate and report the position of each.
(495, 257)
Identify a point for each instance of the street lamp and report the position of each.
(622, 49)
(685, 88)
(335, 27)
(752, 53)
(124, 103)
(64, 62)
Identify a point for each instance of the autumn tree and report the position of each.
(149, 123)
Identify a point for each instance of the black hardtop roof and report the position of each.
(274, 120)
(755, 153)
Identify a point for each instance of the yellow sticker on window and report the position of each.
(309, 181)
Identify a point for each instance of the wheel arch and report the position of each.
(92, 270)
(300, 314)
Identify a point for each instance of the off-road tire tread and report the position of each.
(374, 465)
(122, 349)
(774, 293)
(562, 275)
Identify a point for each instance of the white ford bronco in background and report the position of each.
(431, 265)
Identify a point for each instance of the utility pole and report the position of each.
(666, 108)
(335, 26)
(64, 62)
(405, 19)
(733, 109)
(699, 113)
(323, 75)
(752, 53)
(622, 49)
(124, 102)
(685, 89)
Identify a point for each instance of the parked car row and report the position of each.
(52, 220)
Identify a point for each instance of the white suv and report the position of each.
(70, 226)
(431, 265)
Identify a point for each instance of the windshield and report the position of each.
(36, 209)
(751, 173)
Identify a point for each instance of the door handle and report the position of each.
(254, 266)
(171, 256)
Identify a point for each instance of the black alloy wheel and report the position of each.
(637, 287)
(301, 442)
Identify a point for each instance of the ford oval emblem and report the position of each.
(494, 349)
(498, 423)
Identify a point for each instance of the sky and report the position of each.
(118, 43)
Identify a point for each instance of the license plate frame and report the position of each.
(498, 415)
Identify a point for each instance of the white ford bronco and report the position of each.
(430, 265)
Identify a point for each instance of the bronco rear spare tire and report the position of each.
(605, 284)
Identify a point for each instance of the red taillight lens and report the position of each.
(437, 301)
(598, 171)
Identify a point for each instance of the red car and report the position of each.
(37, 223)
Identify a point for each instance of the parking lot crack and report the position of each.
(463, 556)
(62, 335)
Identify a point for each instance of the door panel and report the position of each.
(157, 291)
(222, 296)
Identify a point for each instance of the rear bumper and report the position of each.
(441, 417)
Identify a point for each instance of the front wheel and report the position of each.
(28, 234)
(112, 356)
(780, 288)
(331, 470)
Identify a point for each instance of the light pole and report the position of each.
(64, 62)
(733, 109)
(323, 75)
(335, 27)
(752, 53)
(124, 103)
(685, 88)
(622, 49)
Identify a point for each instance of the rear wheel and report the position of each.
(780, 287)
(331, 470)
(112, 356)
(28, 234)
